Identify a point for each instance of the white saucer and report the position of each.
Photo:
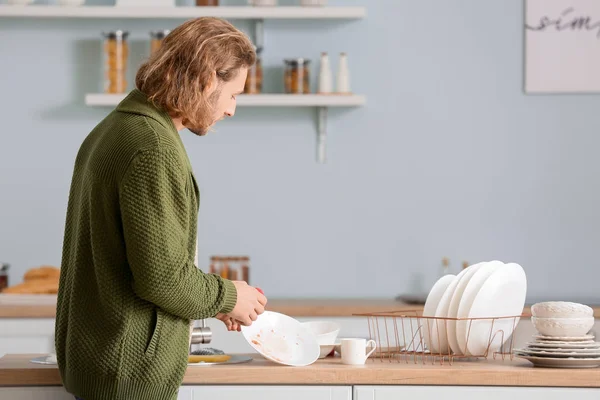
(566, 345)
(561, 362)
(565, 338)
(556, 354)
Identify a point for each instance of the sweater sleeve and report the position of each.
(155, 211)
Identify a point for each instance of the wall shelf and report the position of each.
(319, 101)
(256, 14)
(244, 12)
(256, 100)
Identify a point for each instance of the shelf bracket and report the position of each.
(321, 134)
(259, 34)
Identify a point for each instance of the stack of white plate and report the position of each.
(563, 339)
(485, 290)
(562, 352)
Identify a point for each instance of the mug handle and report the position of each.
(373, 349)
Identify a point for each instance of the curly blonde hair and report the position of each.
(176, 75)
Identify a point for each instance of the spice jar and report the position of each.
(297, 75)
(4, 275)
(210, 3)
(156, 39)
(116, 51)
(254, 79)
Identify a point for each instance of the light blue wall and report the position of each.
(449, 157)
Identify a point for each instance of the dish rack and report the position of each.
(400, 336)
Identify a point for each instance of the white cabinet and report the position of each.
(203, 393)
(35, 393)
(472, 393)
(26, 336)
(266, 392)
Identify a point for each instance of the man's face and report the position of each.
(223, 99)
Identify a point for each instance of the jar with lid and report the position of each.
(4, 275)
(254, 79)
(209, 3)
(297, 75)
(116, 52)
(156, 39)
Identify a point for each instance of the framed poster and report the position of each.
(562, 46)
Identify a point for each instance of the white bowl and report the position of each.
(561, 309)
(326, 332)
(282, 339)
(563, 327)
(326, 349)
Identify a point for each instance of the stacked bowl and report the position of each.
(563, 338)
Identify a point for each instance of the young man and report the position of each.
(129, 286)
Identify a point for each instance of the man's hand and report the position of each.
(230, 323)
(250, 304)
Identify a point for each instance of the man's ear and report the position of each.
(211, 84)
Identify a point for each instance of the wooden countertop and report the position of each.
(16, 370)
(291, 307)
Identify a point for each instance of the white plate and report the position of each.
(557, 354)
(46, 360)
(566, 345)
(565, 338)
(564, 350)
(431, 304)
(282, 339)
(463, 279)
(561, 362)
(235, 359)
(437, 327)
(466, 301)
(502, 294)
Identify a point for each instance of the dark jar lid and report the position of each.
(296, 62)
(160, 35)
(115, 35)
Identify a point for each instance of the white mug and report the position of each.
(354, 351)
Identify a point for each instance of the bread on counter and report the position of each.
(45, 272)
(42, 280)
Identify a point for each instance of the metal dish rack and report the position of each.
(400, 336)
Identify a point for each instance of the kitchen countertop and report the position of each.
(16, 370)
(292, 307)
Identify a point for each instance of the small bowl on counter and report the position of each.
(326, 333)
(561, 309)
(562, 318)
(563, 327)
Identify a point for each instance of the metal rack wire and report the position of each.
(408, 335)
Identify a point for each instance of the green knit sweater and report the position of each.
(128, 284)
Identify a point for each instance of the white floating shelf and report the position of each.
(247, 12)
(257, 100)
(320, 101)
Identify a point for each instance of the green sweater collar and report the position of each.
(137, 102)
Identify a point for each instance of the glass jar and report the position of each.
(297, 76)
(209, 3)
(156, 39)
(254, 80)
(4, 275)
(116, 51)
